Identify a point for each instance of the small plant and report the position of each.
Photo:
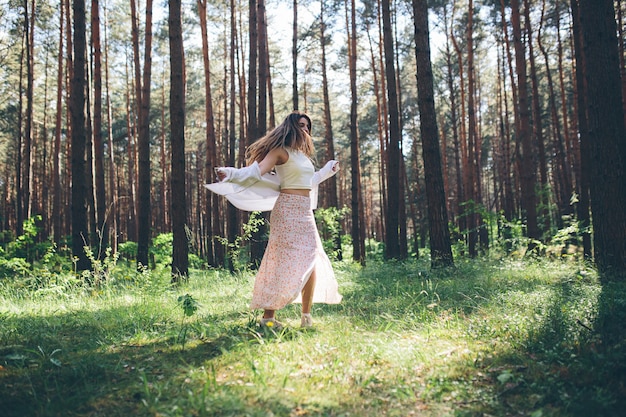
(27, 246)
(161, 249)
(235, 249)
(128, 250)
(101, 270)
(329, 224)
(13, 267)
(189, 306)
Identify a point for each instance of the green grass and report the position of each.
(484, 338)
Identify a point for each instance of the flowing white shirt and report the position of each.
(261, 195)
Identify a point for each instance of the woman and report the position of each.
(295, 267)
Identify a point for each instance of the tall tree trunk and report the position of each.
(253, 53)
(402, 189)
(466, 219)
(163, 153)
(440, 246)
(582, 207)
(56, 162)
(473, 179)
(560, 167)
(80, 235)
(607, 150)
(454, 124)
(509, 197)
(98, 145)
(382, 142)
(113, 213)
(384, 148)
(89, 167)
(358, 241)
(294, 53)
(392, 244)
(180, 249)
(570, 175)
(210, 139)
(330, 186)
(67, 180)
(622, 46)
(537, 119)
(144, 212)
(19, 174)
(259, 237)
(263, 68)
(27, 181)
(131, 213)
(253, 121)
(230, 114)
(527, 163)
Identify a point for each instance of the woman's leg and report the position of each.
(307, 294)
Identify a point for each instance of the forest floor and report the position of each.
(485, 338)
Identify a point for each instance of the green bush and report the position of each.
(14, 267)
(329, 224)
(128, 250)
(161, 249)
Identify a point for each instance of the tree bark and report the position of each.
(440, 246)
(27, 180)
(382, 142)
(607, 150)
(466, 219)
(509, 193)
(357, 232)
(80, 236)
(392, 244)
(259, 237)
(582, 207)
(527, 163)
(98, 145)
(561, 168)
(113, 213)
(330, 185)
(56, 162)
(210, 137)
(144, 212)
(537, 119)
(294, 53)
(473, 172)
(180, 249)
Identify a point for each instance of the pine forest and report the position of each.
(469, 129)
(475, 228)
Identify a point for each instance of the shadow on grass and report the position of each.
(411, 293)
(100, 362)
(569, 365)
(570, 362)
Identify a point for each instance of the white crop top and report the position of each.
(297, 172)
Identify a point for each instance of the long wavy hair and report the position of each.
(288, 134)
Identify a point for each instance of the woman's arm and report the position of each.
(253, 172)
(327, 171)
(274, 157)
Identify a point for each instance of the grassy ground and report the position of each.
(499, 338)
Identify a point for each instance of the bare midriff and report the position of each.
(296, 191)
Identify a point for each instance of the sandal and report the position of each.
(306, 321)
(271, 323)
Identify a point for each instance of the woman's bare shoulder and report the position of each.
(280, 155)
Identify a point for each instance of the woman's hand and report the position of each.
(219, 174)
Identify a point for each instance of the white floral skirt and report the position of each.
(293, 251)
